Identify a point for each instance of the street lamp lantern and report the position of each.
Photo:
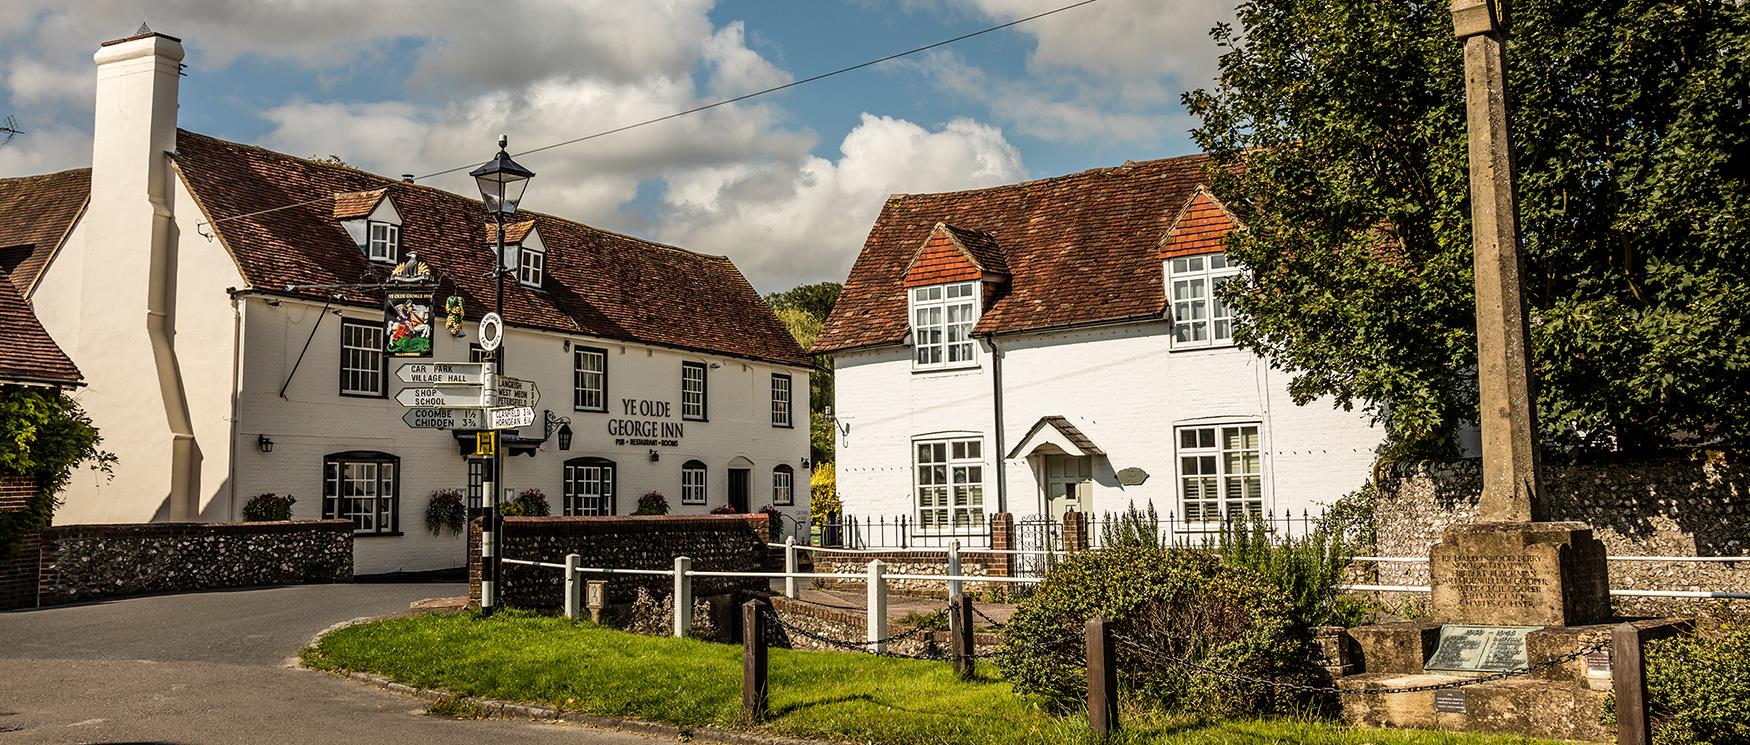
(501, 181)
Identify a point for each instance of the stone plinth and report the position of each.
(1520, 574)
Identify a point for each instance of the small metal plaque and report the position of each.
(1598, 664)
(1489, 649)
(1450, 701)
(1132, 476)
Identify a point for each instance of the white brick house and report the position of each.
(180, 282)
(1054, 345)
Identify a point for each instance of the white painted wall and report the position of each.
(313, 420)
(1122, 386)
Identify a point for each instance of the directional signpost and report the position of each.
(509, 391)
(442, 398)
(465, 395)
(443, 373)
(509, 417)
(444, 419)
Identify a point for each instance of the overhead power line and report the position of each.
(706, 107)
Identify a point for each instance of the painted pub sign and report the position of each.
(408, 318)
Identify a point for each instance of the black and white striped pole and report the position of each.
(501, 183)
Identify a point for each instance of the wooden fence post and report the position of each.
(1628, 673)
(754, 693)
(683, 596)
(960, 634)
(1102, 680)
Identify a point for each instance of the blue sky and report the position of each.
(786, 185)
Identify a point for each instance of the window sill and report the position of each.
(945, 369)
(388, 534)
(602, 410)
(379, 396)
(1188, 347)
(783, 426)
(694, 419)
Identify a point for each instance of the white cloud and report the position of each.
(1123, 39)
(784, 223)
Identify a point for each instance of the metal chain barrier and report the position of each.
(863, 646)
(994, 624)
(1527, 670)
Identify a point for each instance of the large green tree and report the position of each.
(803, 310)
(1340, 124)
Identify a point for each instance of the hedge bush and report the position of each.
(1699, 686)
(268, 508)
(1184, 603)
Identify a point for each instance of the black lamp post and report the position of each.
(501, 183)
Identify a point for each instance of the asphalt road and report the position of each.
(217, 668)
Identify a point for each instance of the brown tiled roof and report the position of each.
(598, 283)
(1199, 227)
(27, 354)
(513, 232)
(35, 214)
(1079, 248)
(979, 245)
(1064, 427)
(940, 260)
(356, 204)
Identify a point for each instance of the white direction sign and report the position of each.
(509, 391)
(443, 373)
(442, 398)
(509, 417)
(444, 419)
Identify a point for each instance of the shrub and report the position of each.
(1699, 686)
(446, 512)
(44, 435)
(726, 509)
(1132, 527)
(1306, 570)
(528, 503)
(1184, 603)
(266, 507)
(652, 503)
(823, 493)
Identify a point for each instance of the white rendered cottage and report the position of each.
(166, 280)
(1055, 345)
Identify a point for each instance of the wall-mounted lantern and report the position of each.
(655, 456)
(265, 443)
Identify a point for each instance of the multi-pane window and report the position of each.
(1200, 318)
(477, 482)
(589, 379)
(1221, 473)
(949, 484)
(361, 487)
(693, 482)
(942, 317)
(693, 391)
(783, 486)
(780, 400)
(384, 243)
(589, 486)
(361, 358)
(531, 264)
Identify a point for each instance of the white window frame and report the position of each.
(1200, 319)
(781, 396)
(389, 241)
(1215, 473)
(531, 265)
(356, 349)
(584, 397)
(942, 317)
(588, 487)
(362, 487)
(694, 403)
(783, 486)
(693, 475)
(948, 484)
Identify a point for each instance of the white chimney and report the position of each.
(137, 80)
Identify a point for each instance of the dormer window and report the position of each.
(385, 242)
(942, 319)
(525, 255)
(1200, 318)
(531, 265)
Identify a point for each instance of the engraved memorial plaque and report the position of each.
(1488, 649)
(1598, 664)
(1450, 701)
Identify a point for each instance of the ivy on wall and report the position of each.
(44, 436)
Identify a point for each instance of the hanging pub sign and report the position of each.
(407, 321)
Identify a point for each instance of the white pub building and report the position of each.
(1056, 345)
(224, 303)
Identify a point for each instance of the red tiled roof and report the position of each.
(27, 354)
(1199, 227)
(513, 232)
(35, 214)
(356, 204)
(1079, 249)
(939, 260)
(598, 283)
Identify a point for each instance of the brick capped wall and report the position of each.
(1667, 507)
(734, 543)
(18, 574)
(15, 491)
(90, 562)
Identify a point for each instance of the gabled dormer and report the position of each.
(525, 256)
(1195, 265)
(949, 280)
(374, 223)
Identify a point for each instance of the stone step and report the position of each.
(1560, 709)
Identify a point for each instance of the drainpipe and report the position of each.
(996, 384)
(236, 392)
(184, 498)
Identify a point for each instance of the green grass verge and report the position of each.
(827, 695)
